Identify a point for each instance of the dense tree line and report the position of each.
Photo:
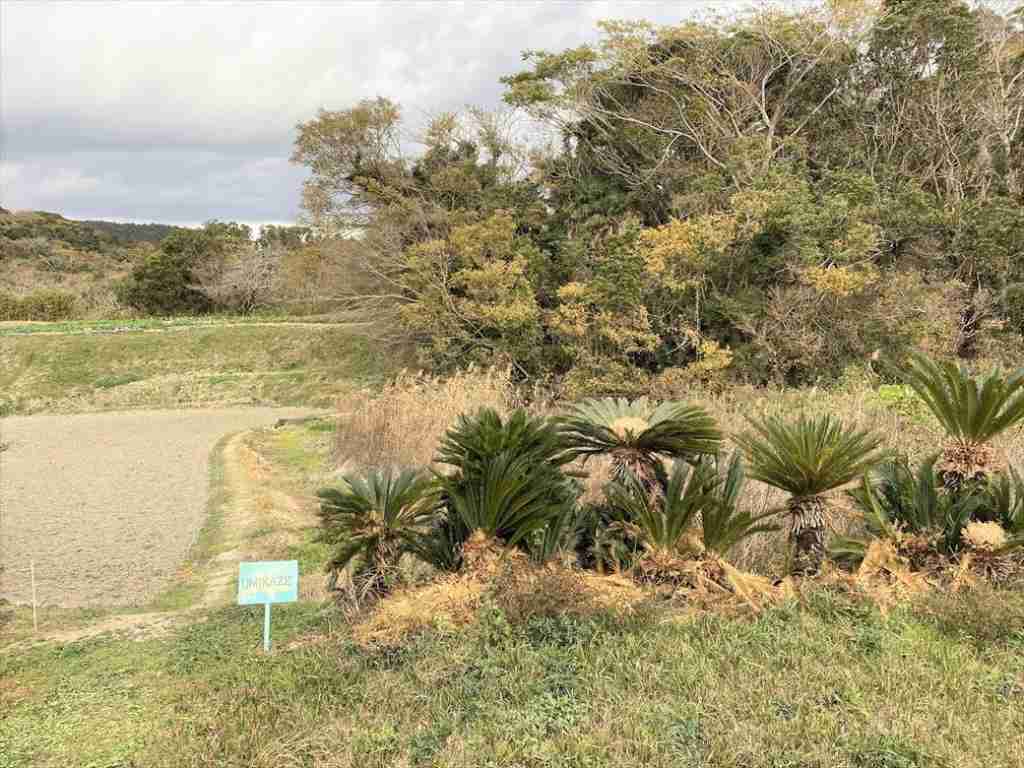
(774, 196)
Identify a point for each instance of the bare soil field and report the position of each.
(106, 504)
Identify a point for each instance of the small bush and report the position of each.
(1013, 306)
(44, 305)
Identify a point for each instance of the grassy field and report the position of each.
(78, 367)
(824, 680)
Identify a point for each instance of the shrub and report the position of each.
(697, 513)
(637, 435)
(972, 410)
(42, 305)
(162, 284)
(909, 509)
(506, 482)
(1013, 306)
(807, 458)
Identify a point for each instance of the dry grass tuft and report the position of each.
(444, 604)
(402, 424)
(519, 588)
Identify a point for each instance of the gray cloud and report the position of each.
(185, 111)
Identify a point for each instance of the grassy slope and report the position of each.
(183, 366)
(825, 683)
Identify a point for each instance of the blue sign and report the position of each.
(268, 582)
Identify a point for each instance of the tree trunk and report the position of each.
(807, 534)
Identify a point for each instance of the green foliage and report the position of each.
(1002, 501)
(1013, 306)
(763, 218)
(725, 523)
(896, 500)
(129, 233)
(44, 305)
(901, 398)
(376, 518)
(507, 498)
(662, 523)
(638, 432)
(166, 282)
(507, 481)
(807, 457)
(971, 409)
(697, 501)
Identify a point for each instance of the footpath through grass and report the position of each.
(190, 365)
(822, 682)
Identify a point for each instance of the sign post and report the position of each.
(266, 583)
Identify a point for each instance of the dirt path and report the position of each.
(107, 504)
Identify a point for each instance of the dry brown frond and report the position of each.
(984, 536)
(965, 461)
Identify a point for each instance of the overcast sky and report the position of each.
(181, 112)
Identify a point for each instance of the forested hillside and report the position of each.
(774, 197)
(54, 268)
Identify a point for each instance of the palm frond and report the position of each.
(1004, 502)
(506, 500)
(601, 426)
(476, 438)
(662, 523)
(897, 500)
(507, 481)
(807, 457)
(969, 408)
(376, 517)
(725, 524)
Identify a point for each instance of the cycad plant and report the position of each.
(725, 523)
(807, 458)
(372, 521)
(906, 507)
(506, 486)
(697, 514)
(638, 435)
(972, 410)
(1004, 497)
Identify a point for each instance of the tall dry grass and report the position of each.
(402, 424)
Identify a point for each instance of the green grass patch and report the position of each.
(117, 380)
(190, 365)
(793, 687)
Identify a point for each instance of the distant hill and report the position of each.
(125, 234)
(83, 235)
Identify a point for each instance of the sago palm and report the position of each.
(904, 505)
(506, 485)
(374, 520)
(697, 514)
(725, 523)
(638, 435)
(972, 410)
(807, 458)
(506, 502)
